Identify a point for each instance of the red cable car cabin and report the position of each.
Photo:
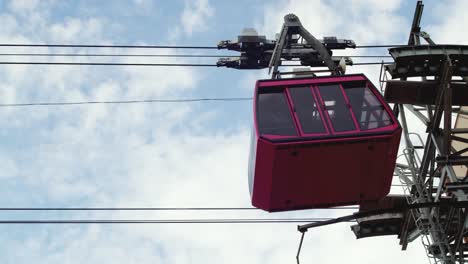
(321, 142)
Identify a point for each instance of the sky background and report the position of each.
(167, 155)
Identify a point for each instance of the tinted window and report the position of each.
(369, 112)
(273, 115)
(306, 110)
(336, 108)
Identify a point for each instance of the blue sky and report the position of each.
(176, 155)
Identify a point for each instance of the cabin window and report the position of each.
(370, 112)
(306, 110)
(274, 116)
(337, 108)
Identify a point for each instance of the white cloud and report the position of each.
(195, 15)
(319, 18)
(8, 94)
(10, 25)
(9, 167)
(144, 3)
(23, 5)
(74, 28)
(450, 29)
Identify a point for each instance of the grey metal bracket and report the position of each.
(294, 43)
(245, 62)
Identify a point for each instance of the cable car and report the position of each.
(320, 142)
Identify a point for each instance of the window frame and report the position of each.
(385, 109)
(296, 116)
(348, 106)
(324, 116)
(288, 102)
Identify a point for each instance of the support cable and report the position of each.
(380, 46)
(147, 64)
(116, 55)
(151, 208)
(166, 221)
(150, 46)
(153, 55)
(105, 64)
(371, 63)
(105, 46)
(185, 100)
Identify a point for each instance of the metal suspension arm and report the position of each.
(292, 26)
